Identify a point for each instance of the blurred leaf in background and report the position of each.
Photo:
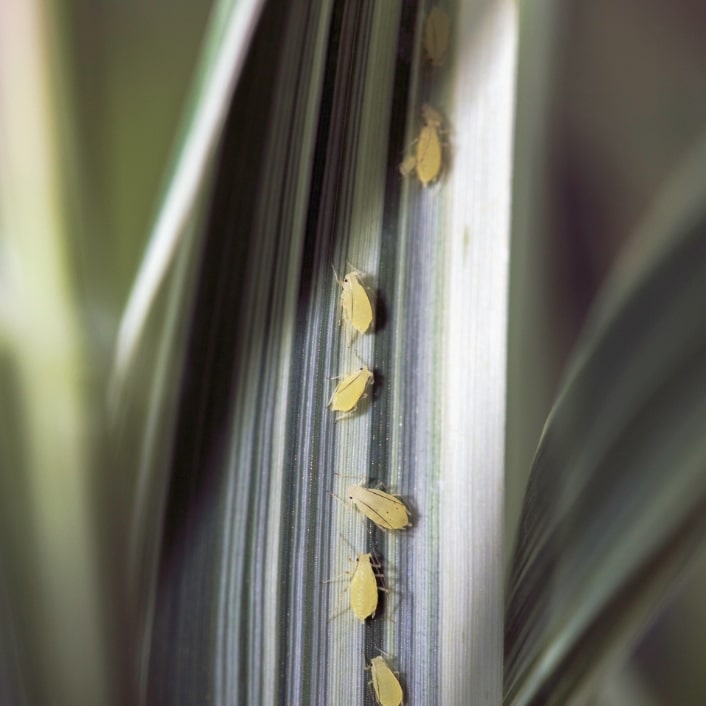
(611, 113)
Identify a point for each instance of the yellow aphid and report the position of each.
(355, 303)
(388, 691)
(350, 390)
(436, 35)
(426, 160)
(385, 510)
(364, 588)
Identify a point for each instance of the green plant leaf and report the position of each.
(323, 114)
(614, 512)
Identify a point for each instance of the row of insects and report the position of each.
(386, 511)
(427, 160)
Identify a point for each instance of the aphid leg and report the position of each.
(360, 360)
(339, 611)
(376, 570)
(409, 164)
(346, 575)
(371, 689)
(386, 607)
(355, 270)
(343, 537)
(352, 335)
(335, 274)
(338, 579)
(345, 415)
(333, 394)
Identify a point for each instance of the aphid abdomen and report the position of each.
(364, 589)
(388, 690)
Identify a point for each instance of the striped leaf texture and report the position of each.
(242, 537)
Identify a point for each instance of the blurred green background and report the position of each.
(132, 65)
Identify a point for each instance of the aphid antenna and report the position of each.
(330, 399)
(348, 542)
(357, 512)
(333, 394)
(360, 360)
(361, 481)
(339, 611)
(379, 485)
(354, 269)
(382, 652)
(360, 517)
(349, 475)
(371, 691)
(340, 500)
(337, 579)
(341, 577)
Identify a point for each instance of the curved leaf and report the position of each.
(616, 504)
